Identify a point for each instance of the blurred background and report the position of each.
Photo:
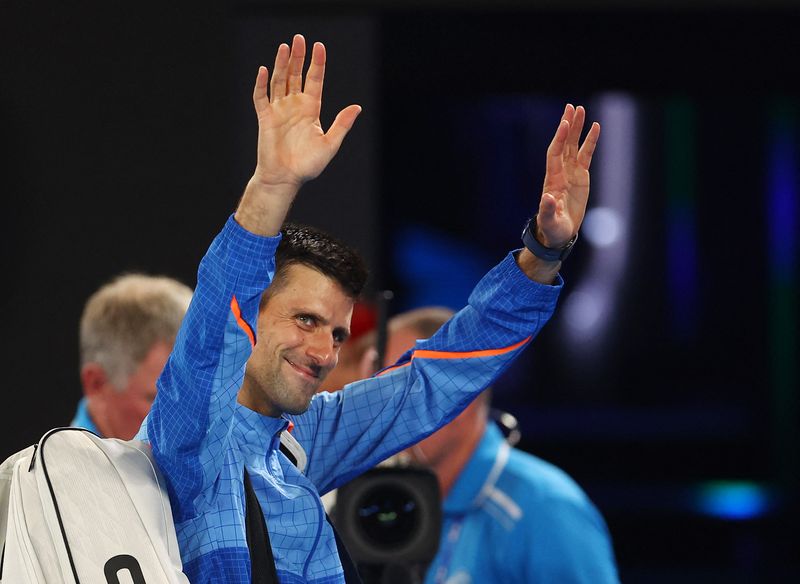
(666, 384)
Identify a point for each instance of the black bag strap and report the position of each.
(262, 562)
(351, 575)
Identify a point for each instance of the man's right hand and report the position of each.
(292, 146)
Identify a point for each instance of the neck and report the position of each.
(93, 408)
(248, 397)
(449, 468)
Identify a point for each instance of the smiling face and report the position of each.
(299, 333)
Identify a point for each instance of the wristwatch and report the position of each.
(546, 253)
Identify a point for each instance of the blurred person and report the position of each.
(508, 515)
(127, 331)
(270, 313)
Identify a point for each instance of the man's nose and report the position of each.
(321, 349)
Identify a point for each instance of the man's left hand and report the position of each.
(566, 182)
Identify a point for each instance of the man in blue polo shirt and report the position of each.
(508, 516)
(127, 330)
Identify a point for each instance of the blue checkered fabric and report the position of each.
(202, 439)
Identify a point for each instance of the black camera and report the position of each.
(390, 519)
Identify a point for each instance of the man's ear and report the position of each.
(94, 379)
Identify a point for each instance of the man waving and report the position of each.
(271, 309)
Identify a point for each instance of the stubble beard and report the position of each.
(287, 392)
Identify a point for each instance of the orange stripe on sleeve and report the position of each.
(237, 312)
(458, 355)
(468, 354)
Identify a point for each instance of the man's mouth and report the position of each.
(313, 372)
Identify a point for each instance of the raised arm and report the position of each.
(189, 424)
(565, 193)
(292, 146)
(432, 383)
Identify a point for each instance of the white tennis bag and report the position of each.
(78, 509)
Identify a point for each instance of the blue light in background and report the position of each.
(733, 500)
(681, 246)
(436, 269)
(682, 262)
(783, 197)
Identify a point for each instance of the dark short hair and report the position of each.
(309, 246)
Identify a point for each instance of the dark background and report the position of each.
(128, 135)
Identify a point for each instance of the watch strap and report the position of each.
(540, 251)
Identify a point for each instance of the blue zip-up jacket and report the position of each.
(202, 439)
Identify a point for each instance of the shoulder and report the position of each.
(559, 533)
(533, 495)
(539, 480)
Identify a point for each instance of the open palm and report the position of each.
(292, 145)
(566, 183)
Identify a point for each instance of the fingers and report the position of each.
(554, 226)
(566, 144)
(260, 97)
(316, 71)
(575, 129)
(555, 151)
(280, 71)
(341, 125)
(287, 75)
(569, 113)
(547, 219)
(589, 144)
(547, 209)
(296, 60)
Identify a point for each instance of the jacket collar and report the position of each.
(255, 433)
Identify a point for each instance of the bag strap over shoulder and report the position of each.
(351, 575)
(262, 562)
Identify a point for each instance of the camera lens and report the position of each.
(388, 515)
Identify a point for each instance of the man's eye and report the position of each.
(305, 320)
